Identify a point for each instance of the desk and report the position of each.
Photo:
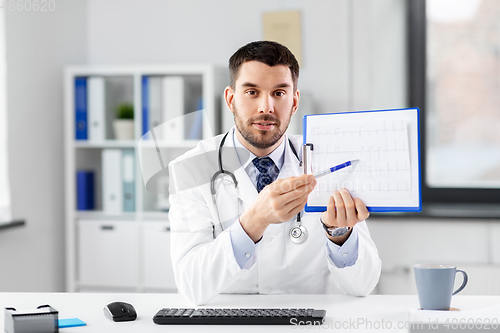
(354, 313)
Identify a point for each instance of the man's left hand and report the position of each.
(344, 211)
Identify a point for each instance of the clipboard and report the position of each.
(387, 144)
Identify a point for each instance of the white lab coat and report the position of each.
(205, 267)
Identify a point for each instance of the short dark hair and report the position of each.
(267, 52)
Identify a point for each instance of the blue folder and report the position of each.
(85, 189)
(196, 131)
(413, 116)
(81, 131)
(145, 105)
(71, 322)
(128, 175)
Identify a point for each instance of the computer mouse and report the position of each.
(120, 311)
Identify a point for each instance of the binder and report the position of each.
(163, 203)
(112, 181)
(387, 144)
(97, 109)
(154, 101)
(172, 129)
(85, 190)
(196, 120)
(145, 105)
(128, 180)
(81, 131)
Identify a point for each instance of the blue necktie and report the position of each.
(268, 171)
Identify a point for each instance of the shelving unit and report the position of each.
(127, 251)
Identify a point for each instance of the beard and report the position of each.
(259, 138)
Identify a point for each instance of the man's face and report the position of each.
(262, 102)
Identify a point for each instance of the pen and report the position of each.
(335, 168)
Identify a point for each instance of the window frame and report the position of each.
(417, 54)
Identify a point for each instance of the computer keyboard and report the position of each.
(174, 316)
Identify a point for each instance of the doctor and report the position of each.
(239, 240)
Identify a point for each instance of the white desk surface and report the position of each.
(353, 313)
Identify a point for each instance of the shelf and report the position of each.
(99, 215)
(166, 144)
(105, 144)
(132, 144)
(117, 171)
(142, 216)
(149, 69)
(155, 216)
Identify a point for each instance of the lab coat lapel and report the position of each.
(290, 166)
(246, 190)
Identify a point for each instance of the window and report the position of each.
(455, 80)
(5, 210)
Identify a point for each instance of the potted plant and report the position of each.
(123, 125)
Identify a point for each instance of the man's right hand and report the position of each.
(278, 202)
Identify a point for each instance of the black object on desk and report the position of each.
(120, 311)
(174, 316)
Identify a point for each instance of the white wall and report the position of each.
(210, 31)
(378, 54)
(353, 50)
(39, 45)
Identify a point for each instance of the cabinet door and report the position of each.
(158, 272)
(108, 253)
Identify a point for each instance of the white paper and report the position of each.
(387, 172)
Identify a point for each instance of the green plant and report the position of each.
(125, 111)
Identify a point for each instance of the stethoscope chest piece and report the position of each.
(298, 233)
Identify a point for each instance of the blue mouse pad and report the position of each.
(71, 322)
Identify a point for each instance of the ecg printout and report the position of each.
(383, 175)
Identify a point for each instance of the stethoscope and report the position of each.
(298, 233)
